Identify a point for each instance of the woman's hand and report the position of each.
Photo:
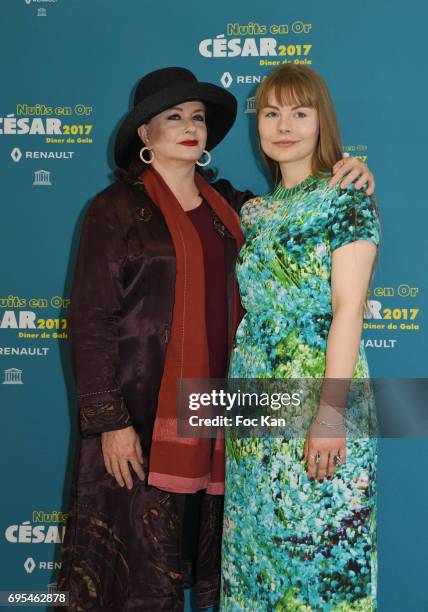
(331, 451)
(349, 169)
(119, 448)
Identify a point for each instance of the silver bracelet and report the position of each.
(327, 424)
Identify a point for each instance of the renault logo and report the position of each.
(226, 80)
(29, 565)
(16, 154)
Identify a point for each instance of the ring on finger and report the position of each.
(337, 460)
(317, 457)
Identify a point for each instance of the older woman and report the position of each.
(154, 300)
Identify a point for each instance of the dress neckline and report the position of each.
(282, 193)
(198, 207)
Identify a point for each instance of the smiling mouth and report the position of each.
(189, 143)
(286, 143)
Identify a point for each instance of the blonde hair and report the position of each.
(294, 85)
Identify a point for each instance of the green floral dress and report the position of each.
(290, 543)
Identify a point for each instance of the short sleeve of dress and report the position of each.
(354, 216)
(249, 213)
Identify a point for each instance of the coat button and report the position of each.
(164, 333)
(144, 213)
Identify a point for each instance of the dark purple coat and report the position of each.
(122, 549)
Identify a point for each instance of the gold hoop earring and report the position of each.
(207, 161)
(143, 159)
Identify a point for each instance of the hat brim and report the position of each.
(221, 113)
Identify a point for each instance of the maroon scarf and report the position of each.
(178, 464)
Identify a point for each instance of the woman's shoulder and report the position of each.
(350, 198)
(252, 207)
(110, 195)
(111, 203)
(336, 197)
(256, 201)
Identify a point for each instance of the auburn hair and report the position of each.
(298, 85)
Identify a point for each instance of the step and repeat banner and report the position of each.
(68, 71)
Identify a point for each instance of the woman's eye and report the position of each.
(300, 114)
(199, 118)
(174, 116)
(271, 114)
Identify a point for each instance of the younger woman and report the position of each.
(299, 529)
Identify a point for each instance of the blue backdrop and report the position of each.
(68, 69)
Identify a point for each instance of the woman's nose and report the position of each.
(190, 127)
(283, 125)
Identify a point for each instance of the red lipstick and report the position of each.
(189, 143)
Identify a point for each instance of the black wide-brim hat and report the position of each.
(164, 88)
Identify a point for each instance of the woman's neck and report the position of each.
(180, 178)
(293, 173)
(177, 176)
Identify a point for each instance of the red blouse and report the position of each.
(215, 287)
